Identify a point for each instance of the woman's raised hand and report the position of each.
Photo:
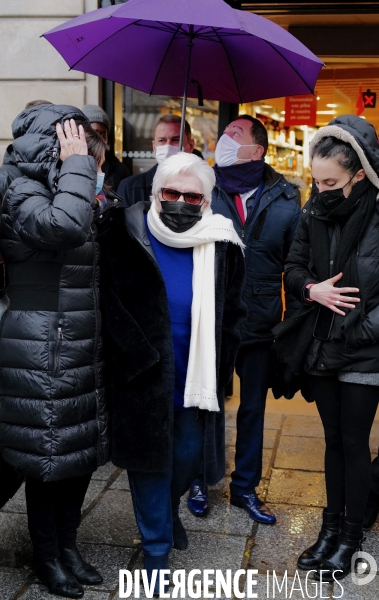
(325, 293)
(72, 139)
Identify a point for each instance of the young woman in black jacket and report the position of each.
(53, 421)
(333, 268)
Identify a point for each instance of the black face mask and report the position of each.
(333, 198)
(180, 216)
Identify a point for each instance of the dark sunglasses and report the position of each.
(173, 195)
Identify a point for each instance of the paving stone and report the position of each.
(352, 591)
(230, 436)
(121, 483)
(297, 487)
(206, 551)
(269, 438)
(40, 592)
(230, 418)
(273, 420)
(222, 518)
(111, 521)
(15, 545)
(277, 547)
(17, 504)
(103, 473)
(267, 455)
(108, 560)
(298, 425)
(94, 489)
(300, 453)
(10, 581)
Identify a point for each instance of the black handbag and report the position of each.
(10, 482)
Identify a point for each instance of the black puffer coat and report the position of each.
(53, 420)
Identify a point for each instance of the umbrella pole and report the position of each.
(186, 83)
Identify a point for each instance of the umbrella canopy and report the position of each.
(236, 56)
(175, 47)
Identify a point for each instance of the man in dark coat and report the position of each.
(263, 207)
(115, 171)
(165, 143)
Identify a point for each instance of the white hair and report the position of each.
(191, 165)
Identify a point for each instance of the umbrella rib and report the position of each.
(230, 64)
(292, 67)
(164, 57)
(102, 42)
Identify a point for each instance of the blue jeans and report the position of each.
(156, 496)
(253, 366)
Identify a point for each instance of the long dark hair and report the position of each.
(331, 147)
(96, 144)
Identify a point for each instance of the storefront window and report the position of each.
(140, 114)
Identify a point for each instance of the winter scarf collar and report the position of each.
(201, 385)
(240, 179)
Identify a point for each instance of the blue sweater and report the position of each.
(176, 265)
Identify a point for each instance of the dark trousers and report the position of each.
(253, 366)
(156, 496)
(54, 511)
(347, 411)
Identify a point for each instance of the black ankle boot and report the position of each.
(311, 557)
(338, 560)
(83, 571)
(179, 535)
(372, 511)
(58, 578)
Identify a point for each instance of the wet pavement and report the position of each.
(292, 485)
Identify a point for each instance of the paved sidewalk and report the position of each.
(293, 485)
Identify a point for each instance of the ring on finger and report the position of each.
(338, 302)
(75, 135)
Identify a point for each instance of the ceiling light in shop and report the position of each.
(332, 105)
(326, 112)
(318, 98)
(266, 106)
(282, 112)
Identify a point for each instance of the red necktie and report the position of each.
(239, 207)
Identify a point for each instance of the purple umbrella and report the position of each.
(188, 47)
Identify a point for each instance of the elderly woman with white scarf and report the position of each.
(173, 274)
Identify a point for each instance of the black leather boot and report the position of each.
(371, 512)
(83, 571)
(338, 560)
(58, 578)
(327, 538)
(179, 534)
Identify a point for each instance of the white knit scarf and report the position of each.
(201, 387)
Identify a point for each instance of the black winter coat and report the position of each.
(114, 170)
(8, 172)
(137, 188)
(268, 235)
(53, 422)
(140, 348)
(360, 353)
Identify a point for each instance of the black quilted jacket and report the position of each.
(53, 422)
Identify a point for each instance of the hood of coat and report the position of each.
(36, 147)
(362, 137)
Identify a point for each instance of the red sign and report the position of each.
(301, 110)
(369, 99)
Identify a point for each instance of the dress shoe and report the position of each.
(179, 535)
(338, 561)
(83, 571)
(59, 580)
(371, 512)
(197, 501)
(155, 562)
(327, 539)
(255, 507)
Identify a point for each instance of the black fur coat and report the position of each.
(139, 345)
